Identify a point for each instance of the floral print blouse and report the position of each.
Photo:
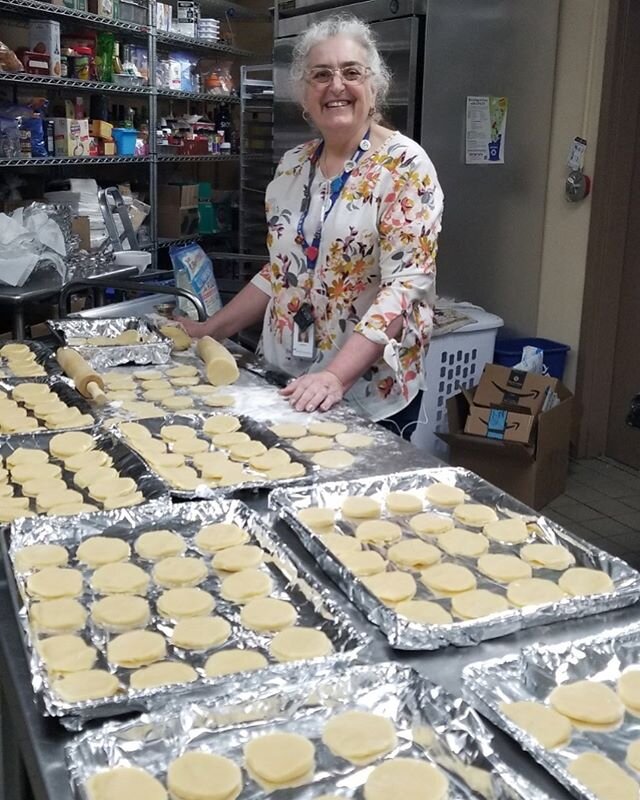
(376, 262)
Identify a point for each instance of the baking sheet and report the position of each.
(432, 726)
(44, 356)
(156, 350)
(406, 635)
(535, 671)
(317, 607)
(65, 392)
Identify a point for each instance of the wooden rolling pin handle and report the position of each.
(96, 394)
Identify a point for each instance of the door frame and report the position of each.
(617, 132)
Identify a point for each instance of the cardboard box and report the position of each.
(44, 37)
(80, 225)
(502, 386)
(177, 195)
(101, 129)
(103, 8)
(71, 137)
(499, 423)
(533, 473)
(174, 223)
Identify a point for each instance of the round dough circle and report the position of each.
(121, 782)
(237, 558)
(333, 459)
(220, 536)
(298, 644)
(200, 633)
(63, 445)
(478, 603)
(448, 578)
(378, 531)
(633, 755)
(147, 375)
(190, 447)
(582, 580)
(289, 430)
(272, 458)
(203, 776)
(283, 473)
(185, 381)
(38, 486)
(154, 395)
(162, 673)
(406, 777)
(474, 514)
(424, 611)
(360, 508)
(180, 477)
(429, 524)
(177, 402)
(156, 545)
(120, 579)
(507, 531)
(136, 649)
(221, 423)
(120, 612)
(533, 591)
(391, 587)
(246, 450)
(279, 758)
(549, 556)
(230, 439)
(98, 550)
(311, 444)
(30, 470)
(246, 585)
(54, 582)
(459, 542)
(317, 518)
(339, 544)
(441, 494)
(226, 662)
(66, 653)
(353, 441)
(179, 571)
(363, 562)
(64, 615)
(403, 503)
(215, 400)
(359, 736)
(413, 553)
(110, 488)
(548, 727)
(603, 777)
(330, 429)
(39, 556)
(587, 701)
(629, 687)
(24, 455)
(86, 685)
(189, 602)
(268, 614)
(504, 568)
(182, 371)
(175, 433)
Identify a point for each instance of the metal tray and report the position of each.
(44, 356)
(432, 726)
(406, 635)
(156, 350)
(65, 392)
(317, 607)
(535, 671)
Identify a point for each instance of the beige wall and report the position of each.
(576, 108)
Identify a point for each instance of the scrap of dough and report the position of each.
(448, 578)
(353, 441)
(360, 507)
(66, 653)
(478, 603)
(391, 587)
(63, 445)
(406, 777)
(333, 459)
(162, 673)
(403, 502)
(98, 550)
(504, 568)
(58, 616)
(330, 429)
(548, 727)
(187, 602)
(268, 614)
(310, 444)
(533, 591)
(424, 611)
(38, 556)
(549, 556)
(508, 531)
(339, 544)
(289, 430)
(136, 649)
(226, 662)
(441, 494)
(603, 777)
(587, 701)
(474, 514)
(317, 518)
(413, 553)
(200, 633)
(155, 545)
(246, 450)
(180, 571)
(221, 423)
(238, 557)
(363, 562)
(429, 524)
(459, 542)
(359, 736)
(54, 582)
(246, 585)
(378, 531)
(86, 685)
(203, 776)
(120, 612)
(219, 536)
(120, 579)
(279, 758)
(181, 339)
(582, 580)
(182, 371)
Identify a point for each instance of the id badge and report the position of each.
(303, 342)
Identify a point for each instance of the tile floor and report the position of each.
(602, 505)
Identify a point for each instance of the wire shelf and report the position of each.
(72, 83)
(193, 43)
(209, 157)
(59, 12)
(176, 94)
(55, 161)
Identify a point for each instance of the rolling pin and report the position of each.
(86, 380)
(220, 365)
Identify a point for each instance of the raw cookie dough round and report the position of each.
(184, 477)
(221, 423)
(185, 381)
(200, 633)
(406, 777)
(14, 349)
(109, 488)
(174, 433)
(633, 755)
(141, 410)
(47, 501)
(121, 394)
(180, 571)
(149, 447)
(478, 603)
(274, 457)
(226, 662)
(246, 585)
(289, 430)
(230, 439)
(283, 473)
(23, 455)
(353, 441)
(63, 445)
(237, 558)
(459, 542)
(189, 602)
(278, 759)
(156, 545)
(363, 562)
(441, 494)
(182, 371)
(120, 579)
(268, 614)
(203, 776)
(429, 524)
(29, 391)
(503, 568)
(360, 508)
(603, 777)
(98, 550)
(508, 531)
(339, 544)
(548, 727)
(424, 611)
(311, 444)
(378, 531)
(136, 649)
(317, 518)
(38, 486)
(333, 459)
(216, 400)
(39, 556)
(403, 503)
(124, 782)
(326, 428)
(66, 653)
(120, 612)
(86, 685)
(219, 536)
(391, 587)
(300, 644)
(162, 673)
(549, 556)
(52, 583)
(359, 736)
(123, 501)
(533, 591)
(147, 375)
(156, 395)
(582, 580)
(190, 447)
(474, 514)
(413, 553)
(58, 616)
(629, 687)
(246, 450)
(177, 402)
(166, 460)
(448, 579)
(22, 473)
(587, 701)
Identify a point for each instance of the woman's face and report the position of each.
(339, 106)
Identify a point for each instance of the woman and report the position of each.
(353, 222)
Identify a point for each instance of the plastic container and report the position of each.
(454, 361)
(125, 139)
(508, 352)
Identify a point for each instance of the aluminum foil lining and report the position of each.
(534, 672)
(44, 356)
(432, 726)
(406, 635)
(65, 392)
(156, 349)
(316, 606)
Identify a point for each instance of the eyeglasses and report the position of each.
(322, 76)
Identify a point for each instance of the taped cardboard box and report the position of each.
(503, 386)
(500, 423)
(174, 223)
(177, 195)
(534, 473)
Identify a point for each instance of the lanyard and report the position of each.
(312, 250)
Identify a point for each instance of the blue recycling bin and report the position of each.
(508, 352)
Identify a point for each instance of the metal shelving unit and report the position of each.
(63, 162)
(195, 159)
(203, 97)
(38, 8)
(208, 45)
(71, 84)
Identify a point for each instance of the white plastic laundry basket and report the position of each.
(455, 360)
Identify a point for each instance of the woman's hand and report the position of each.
(194, 329)
(318, 390)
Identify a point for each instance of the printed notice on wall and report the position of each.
(486, 128)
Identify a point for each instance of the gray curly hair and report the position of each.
(349, 27)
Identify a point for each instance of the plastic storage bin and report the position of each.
(125, 139)
(454, 361)
(509, 352)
